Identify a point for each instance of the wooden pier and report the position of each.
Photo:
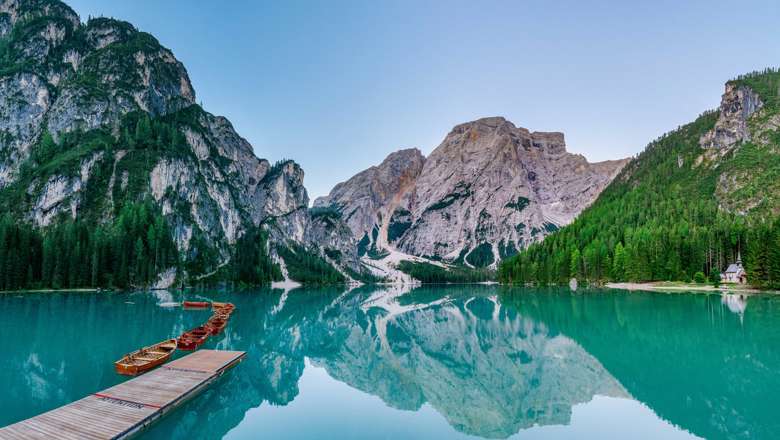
(128, 408)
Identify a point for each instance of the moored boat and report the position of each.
(187, 343)
(222, 314)
(223, 307)
(196, 304)
(216, 325)
(145, 359)
(192, 339)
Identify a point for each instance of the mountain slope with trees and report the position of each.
(695, 200)
(99, 128)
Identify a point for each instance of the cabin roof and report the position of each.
(734, 268)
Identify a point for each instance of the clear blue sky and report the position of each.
(339, 85)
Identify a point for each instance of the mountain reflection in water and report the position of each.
(491, 361)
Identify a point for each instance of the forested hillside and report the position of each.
(693, 201)
(111, 175)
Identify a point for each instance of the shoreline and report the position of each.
(653, 286)
(661, 286)
(81, 290)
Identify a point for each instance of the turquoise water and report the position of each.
(431, 362)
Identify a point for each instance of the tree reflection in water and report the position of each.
(492, 361)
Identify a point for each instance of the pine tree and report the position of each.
(619, 263)
(143, 132)
(773, 256)
(138, 259)
(575, 265)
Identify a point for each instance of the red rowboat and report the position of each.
(216, 325)
(196, 304)
(186, 343)
(221, 315)
(192, 339)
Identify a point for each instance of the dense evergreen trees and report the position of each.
(129, 252)
(308, 267)
(659, 220)
(669, 216)
(251, 263)
(20, 255)
(136, 244)
(431, 273)
(762, 260)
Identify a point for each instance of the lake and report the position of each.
(430, 362)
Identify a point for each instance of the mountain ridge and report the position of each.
(428, 210)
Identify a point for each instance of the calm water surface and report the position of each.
(427, 363)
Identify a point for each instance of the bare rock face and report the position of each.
(487, 191)
(335, 239)
(737, 105)
(66, 76)
(25, 101)
(369, 196)
(743, 118)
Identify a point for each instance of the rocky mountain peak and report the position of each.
(363, 200)
(401, 157)
(737, 104)
(13, 11)
(495, 133)
(490, 122)
(489, 189)
(101, 31)
(71, 77)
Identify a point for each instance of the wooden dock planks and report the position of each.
(126, 409)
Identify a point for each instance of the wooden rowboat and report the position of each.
(196, 304)
(226, 310)
(192, 339)
(216, 325)
(187, 343)
(221, 314)
(143, 360)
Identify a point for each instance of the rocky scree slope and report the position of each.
(488, 190)
(98, 115)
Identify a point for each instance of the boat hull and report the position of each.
(216, 325)
(192, 339)
(196, 304)
(130, 365)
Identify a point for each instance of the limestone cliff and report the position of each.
(489, 189)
